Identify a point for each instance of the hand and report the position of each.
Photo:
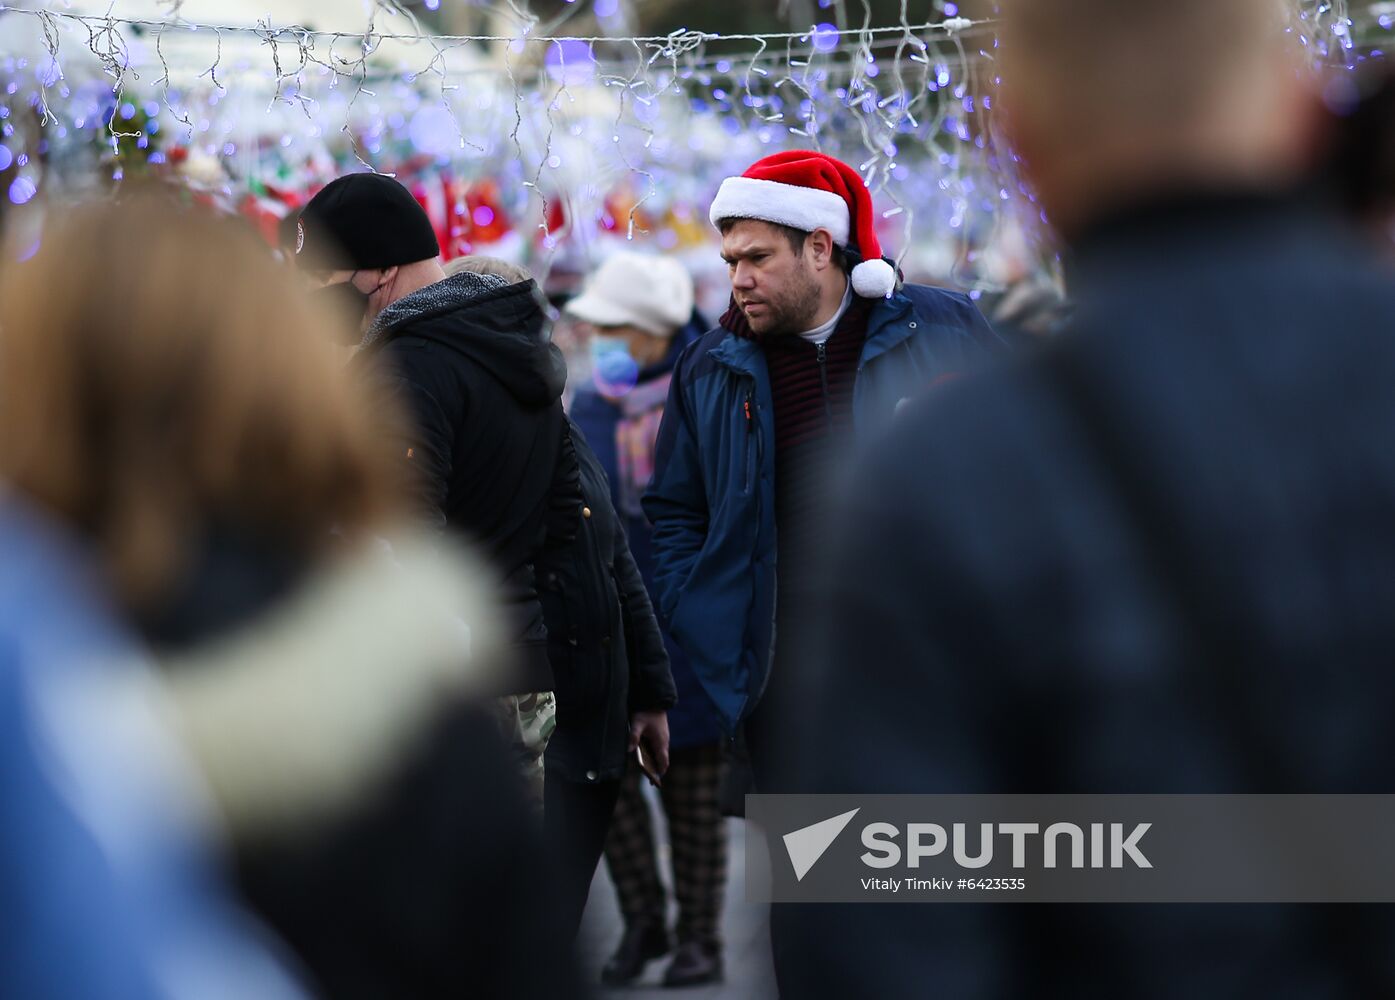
(652, 728)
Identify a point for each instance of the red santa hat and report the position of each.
(808, 191)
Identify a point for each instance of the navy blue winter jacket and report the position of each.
(712, 501)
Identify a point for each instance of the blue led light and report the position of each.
(824, 37)
(21, 190)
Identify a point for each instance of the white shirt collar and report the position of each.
(821, 333)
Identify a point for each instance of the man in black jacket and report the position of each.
(1156, 559)
(466, 358)
(613, 683)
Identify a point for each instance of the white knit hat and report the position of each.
(652, 293)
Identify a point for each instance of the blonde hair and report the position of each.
(159, 374)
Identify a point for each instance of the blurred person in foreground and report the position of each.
(186, 422)
(109, 876)
(1362, 163)
(1156, 558)
(821, 345)
(613, 686)
(639, 308)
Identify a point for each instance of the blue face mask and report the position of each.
(613, 368)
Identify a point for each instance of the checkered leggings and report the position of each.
(697, 838)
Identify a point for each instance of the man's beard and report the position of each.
(791, 310)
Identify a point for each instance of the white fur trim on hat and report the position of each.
(874, 279)
(785, 204)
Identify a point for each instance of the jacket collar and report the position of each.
(887, 326)
(739, 354)
(1179, 220)
(452, 292)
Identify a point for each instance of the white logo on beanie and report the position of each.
(299, 236)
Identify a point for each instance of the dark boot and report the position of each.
(694, 964)
(643, 941)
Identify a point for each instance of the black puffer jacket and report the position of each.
(608, 654)
(468, 360)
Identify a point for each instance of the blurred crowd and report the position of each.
(354, 608)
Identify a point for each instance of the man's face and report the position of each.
(359, 296)
(365, 281)
(776, 289)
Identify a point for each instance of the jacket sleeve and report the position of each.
(676, 502)
(422, 436)
(651, 680)
(565, 497)
(967, 339)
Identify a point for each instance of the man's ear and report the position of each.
(819, 246)
(389, 273)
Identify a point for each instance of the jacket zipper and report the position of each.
(823, 382)
(748, 410)
(774, 603)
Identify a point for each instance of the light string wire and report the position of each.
(109, 21)
(678, 46)
(932, 73)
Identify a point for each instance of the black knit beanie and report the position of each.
(363, 221)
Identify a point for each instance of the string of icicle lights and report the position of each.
(551, 114)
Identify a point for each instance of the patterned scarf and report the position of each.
(641, 411)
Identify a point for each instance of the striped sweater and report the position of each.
(812, 392)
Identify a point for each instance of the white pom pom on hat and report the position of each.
(874, 279)
(807, 190)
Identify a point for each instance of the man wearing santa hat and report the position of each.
(821, 344)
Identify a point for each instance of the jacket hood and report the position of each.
(500, 326)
